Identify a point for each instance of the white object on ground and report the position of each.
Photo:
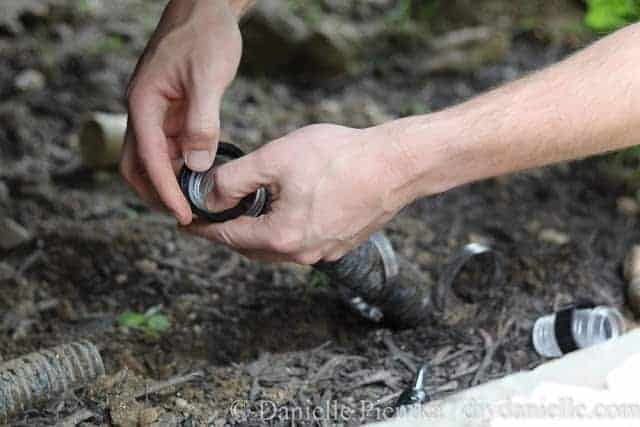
(586, 373)
(590, 326)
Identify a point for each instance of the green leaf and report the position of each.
(609, 15)
(158, 323)
(319, 279)
(131, 319)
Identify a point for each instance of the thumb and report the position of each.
(201, 130)
(237, 179)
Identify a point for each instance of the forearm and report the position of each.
(587, 104)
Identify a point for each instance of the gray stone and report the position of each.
(273, 35)
(332, 48)
(12, 234)
(4, 194)
(30, 80)
(466, 50)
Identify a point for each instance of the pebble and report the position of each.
(148, 416)
(633, 296)
(4, 193)
(632, 264)
(146, 266)
(12, 234)
(30, 80)
(632, 275)
(551, 235)
(628, 206)
(182, 405)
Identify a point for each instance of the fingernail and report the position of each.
(199, 160)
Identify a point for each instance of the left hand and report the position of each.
(331, 187)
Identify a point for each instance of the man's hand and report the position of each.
(331, 187)
(174, 99)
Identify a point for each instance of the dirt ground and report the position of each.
(264, 333)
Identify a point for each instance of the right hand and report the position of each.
(174, 99)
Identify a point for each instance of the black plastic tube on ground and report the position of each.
(383, 279)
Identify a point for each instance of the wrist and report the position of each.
(429, 154)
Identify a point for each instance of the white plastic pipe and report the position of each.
(101, 137)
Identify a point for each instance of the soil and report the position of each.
(265, 333)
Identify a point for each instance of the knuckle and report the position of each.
(199, 138)
(335, 255)
(200, 135)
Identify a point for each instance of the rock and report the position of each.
(632, 264)
(17, 14)
(146, 266)
(4, 194)
(466, 50)
(148, 416)
(30, 81)
(273, 35)
(125, 413)
(12, 234)
(166, 420)
(633, 296)
(277, 40)
(632, 275)
(628, 206)
(66, 311)
(183, 406)
(331, 50)
(554, 236)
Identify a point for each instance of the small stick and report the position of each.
(489, 350)
(398, 354)
(76, 418)
(171, 382)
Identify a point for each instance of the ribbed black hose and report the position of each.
(405, 299)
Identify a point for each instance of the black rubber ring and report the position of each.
(563, 325)
(224, 149)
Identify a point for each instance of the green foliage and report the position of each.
(406, 11)
(319, 279)
(609, 15)
(152, 322)
(108, 44)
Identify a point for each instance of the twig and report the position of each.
(178, 266)
(30, 261)
(76, 418)
(227, 268)
(398, 354)
(387, 399)
(449, 357)
(171, 382)
(490, 349)
(469, 370)
(384, 377)
(331, 364)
